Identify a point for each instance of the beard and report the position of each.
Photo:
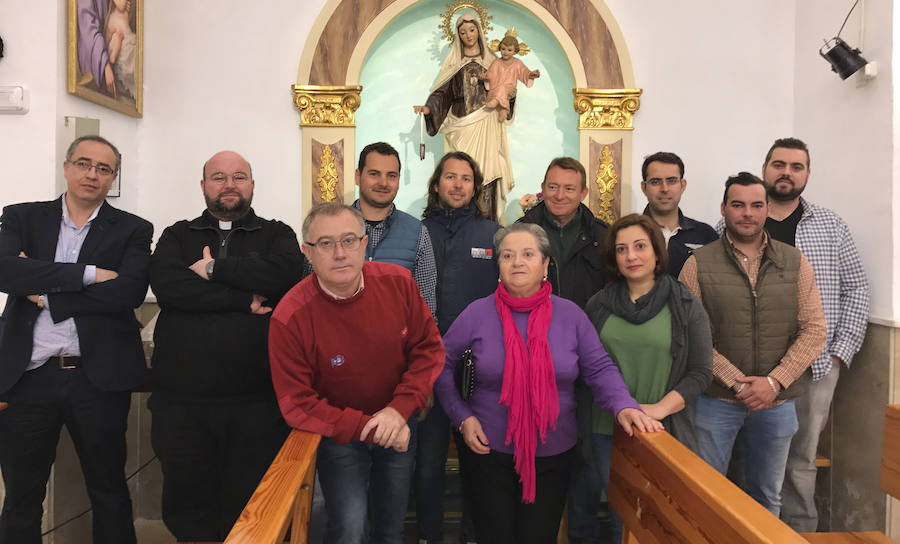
(732, 230)
(374, 203)
(784, 196)
(226, 212)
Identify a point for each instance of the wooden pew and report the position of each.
(890, 483)
(666, 494)
(283, 497)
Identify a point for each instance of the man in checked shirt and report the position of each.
(394, 236)
(825, 240)
(767, 326)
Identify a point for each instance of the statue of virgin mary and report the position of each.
(455, 107)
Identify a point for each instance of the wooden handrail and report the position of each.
(890, 451)
(283, 497)
(665, 493)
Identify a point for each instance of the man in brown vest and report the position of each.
(768, 327)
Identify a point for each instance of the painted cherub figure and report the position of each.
(501, 77)
(121, 44)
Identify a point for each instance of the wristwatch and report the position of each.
(209, 268)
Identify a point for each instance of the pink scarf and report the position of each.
(529, 383)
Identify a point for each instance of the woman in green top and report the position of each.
(658, 334)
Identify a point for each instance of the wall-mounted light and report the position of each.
(844, 59)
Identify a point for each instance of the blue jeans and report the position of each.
(768, 435)
(365, 483)
(590, 478)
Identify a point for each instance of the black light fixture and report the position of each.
(844, 60)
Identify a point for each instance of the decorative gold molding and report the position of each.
(610, 109)
(327, 178)
(606, 181)
(326, 105)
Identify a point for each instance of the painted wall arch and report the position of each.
(327, 91)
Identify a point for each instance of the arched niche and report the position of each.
(327, 92)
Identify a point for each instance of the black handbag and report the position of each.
(465, 375)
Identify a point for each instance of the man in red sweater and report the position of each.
(354, 353)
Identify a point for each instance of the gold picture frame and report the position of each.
(93, 38)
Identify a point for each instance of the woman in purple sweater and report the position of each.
(528, 347)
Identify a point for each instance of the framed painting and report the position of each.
(105, 51)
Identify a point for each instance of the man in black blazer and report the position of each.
(70, 349)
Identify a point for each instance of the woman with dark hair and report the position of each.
(658, 334)
(528, 347)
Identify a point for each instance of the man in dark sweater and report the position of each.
(663, 184)
(463, 252)
(576, 270)
(216, 425)
(354, 354)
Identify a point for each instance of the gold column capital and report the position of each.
(606, 109)
(326, 105)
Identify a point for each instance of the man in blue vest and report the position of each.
(394, 236)
(463, 242)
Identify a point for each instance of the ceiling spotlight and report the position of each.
(844, 59)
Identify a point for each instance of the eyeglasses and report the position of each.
(85, 166)
(327, 245)
(656, 182)
(220, 178)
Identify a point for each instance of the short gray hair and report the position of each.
(543, 241)
(331, 209)
(94, 138)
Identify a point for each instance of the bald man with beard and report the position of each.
(216, 424)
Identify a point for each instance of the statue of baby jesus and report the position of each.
(500, 79)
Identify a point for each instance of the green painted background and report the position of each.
(402, 66)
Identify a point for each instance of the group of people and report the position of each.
(356, 332)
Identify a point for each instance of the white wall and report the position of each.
(27, 142)
(220, 79)
(849, 131)
(895, 174)
(721, 81)
(718, 87)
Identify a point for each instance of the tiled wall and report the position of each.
(856, 430)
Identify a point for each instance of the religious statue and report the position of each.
(500, 79)
(456, 108)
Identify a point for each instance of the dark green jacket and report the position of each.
(582, 274)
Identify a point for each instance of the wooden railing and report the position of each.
(665, 493)
(283, 497)
(890, 483)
